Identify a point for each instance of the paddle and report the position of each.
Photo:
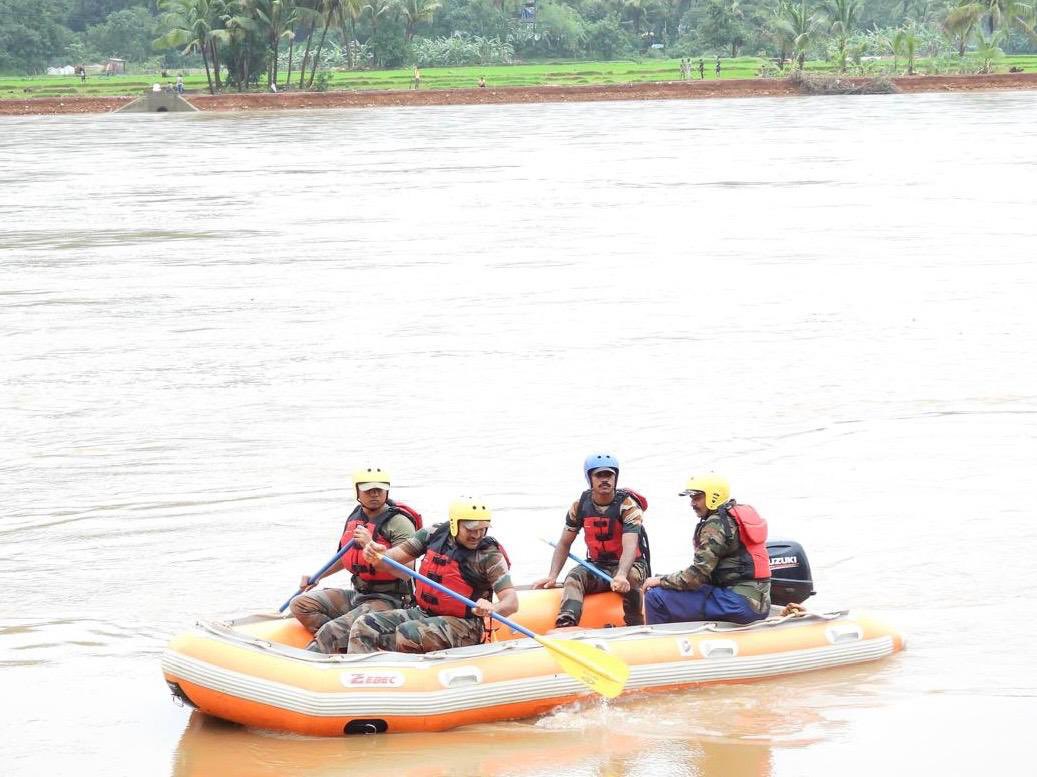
(584, 563)
(599, 671)
(319, 572)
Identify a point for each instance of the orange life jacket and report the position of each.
(354, 560)
(452, 567)
(603, 533)
(751, 560)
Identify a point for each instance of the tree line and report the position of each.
(286, 43)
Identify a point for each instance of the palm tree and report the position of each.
(960, 22)
(191, 24)
(270, 14)
(1011, 13)
(417, 11)
(294, 15)
(842, 16)
(377, 9)
(637, 11)
(239, 26)
(906, 43)
(330, 10)
(796, 27)
(353, 9)
(988, 49)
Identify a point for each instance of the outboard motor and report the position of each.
(790, 573)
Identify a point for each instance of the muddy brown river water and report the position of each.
(207, 320)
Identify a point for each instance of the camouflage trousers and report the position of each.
(330, 613)
(581, 581)
(412, 631)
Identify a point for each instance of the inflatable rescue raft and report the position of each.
(254, 670)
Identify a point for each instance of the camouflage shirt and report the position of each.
(717, 542)
(629, 512)
(489, 563)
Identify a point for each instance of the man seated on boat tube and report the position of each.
(729, 576)
(459, 555)
(610, 519)
(329, 613)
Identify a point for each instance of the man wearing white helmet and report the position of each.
(329, 612)
(457, 554)
(729, 576)
(611, 521)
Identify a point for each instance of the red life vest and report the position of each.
(354, 560)
(751, 562)
(603, 533)
(450, 565)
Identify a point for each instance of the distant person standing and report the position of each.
(416, 83)
(718, 66)
(180, 84)
(684, 69)
(482, 82)
(702, 69)
(81, 72)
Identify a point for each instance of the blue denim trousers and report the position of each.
(708, 603)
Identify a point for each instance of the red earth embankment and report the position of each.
(665, 90)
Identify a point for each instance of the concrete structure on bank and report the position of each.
(157, 102)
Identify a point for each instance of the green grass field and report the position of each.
(563, 73)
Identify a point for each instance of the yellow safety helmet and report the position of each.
(714, 486)
(371, 477)
(467, 508)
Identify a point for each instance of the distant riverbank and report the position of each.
(660, 90)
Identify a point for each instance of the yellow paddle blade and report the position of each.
(606, 674)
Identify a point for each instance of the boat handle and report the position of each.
(845, 633)
(452, 678)
(718, 648)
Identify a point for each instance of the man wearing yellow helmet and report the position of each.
(329, 612)
(610, 519)
(729, 576)
(457, 554)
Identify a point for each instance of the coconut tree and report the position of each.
(310, 5)
(330, 12)
(189, 23)
(271, 16)
(378, 9)
(416, 12)
(796, 28)
(240, 27)
(906, 42)
(988, 49)
(1009, 13)
(295, 15)
(842, 17)
(960, 23)
(353, 10)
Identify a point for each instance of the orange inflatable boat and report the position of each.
(254, 671)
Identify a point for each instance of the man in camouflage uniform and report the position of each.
(329, 613)
(729, 576)
(459, 555)
(611, 520)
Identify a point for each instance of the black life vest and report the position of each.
(750, 560)
(449, 563)
(354, 560)
(603, 532)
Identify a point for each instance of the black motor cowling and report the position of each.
(790, 573)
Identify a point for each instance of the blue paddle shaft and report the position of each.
(345, 549)
(584, 563)
(443, 589)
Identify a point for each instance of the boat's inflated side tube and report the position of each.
(791, 581)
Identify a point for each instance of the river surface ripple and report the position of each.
(207, 320)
